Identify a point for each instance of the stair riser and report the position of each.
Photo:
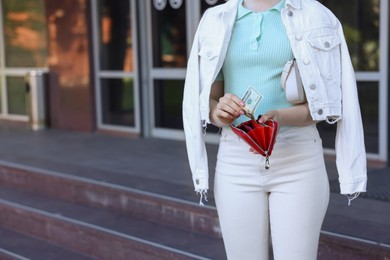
(153, 208)
(103, 245)
(332, 247)
(156, 209)
(5, 256)
(80, 238)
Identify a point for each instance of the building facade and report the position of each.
(119, 66)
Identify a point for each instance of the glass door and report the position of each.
(23, 47)
(115, 40)
(171, 27)
(168, 26)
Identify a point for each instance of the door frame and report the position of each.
(107, 74)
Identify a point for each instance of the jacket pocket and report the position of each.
(326, 53)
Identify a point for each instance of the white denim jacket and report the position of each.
(319, 46)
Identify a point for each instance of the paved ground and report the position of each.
(160, 166)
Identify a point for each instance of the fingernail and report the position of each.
(242, 103)
(242, 112)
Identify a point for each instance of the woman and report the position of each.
(245, 43)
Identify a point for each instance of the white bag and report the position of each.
(292, 83)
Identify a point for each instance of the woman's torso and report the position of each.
(258, 49)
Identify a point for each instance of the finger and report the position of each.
(236, 99)
(224, 115)
(225, 107)
(253, 150)
(227, 100)
(264, 118)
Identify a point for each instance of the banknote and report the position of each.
(252, 100)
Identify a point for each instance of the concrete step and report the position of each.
(100, 233)
(8, 255)
(14, 245)
(153, 207)
(132, 201)
(340, 247)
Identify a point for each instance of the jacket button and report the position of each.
(320, 111)
(306, 61)
(326, 44)
(312, 86)
(298, 37)
(290, 13)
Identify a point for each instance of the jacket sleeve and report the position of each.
(193, 128)
(350, 148)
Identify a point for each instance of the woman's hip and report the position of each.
(296, 148)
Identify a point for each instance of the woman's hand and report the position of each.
(273, 114)
(224, 108)
(228, 109)
(298, 115)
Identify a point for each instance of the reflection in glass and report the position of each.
(360, 19)
(16, 96)
(117, 99)
(169, 36)
(25, 33)
(168, 96)
(116, 42)
(368, 98)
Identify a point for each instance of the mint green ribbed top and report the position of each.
(257, 52)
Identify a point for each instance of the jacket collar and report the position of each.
(229, 10)
(294, 3)
(229, 13)
(231, 6)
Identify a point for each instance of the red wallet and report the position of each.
(260, 137)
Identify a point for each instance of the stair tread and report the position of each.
(197, 244)
(145, 183)
(34, 248)
(154, 165)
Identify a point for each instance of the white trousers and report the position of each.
(286, 203)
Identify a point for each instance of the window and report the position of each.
(169, 36)
(117, 87)
(116, 41)
(24, 28)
